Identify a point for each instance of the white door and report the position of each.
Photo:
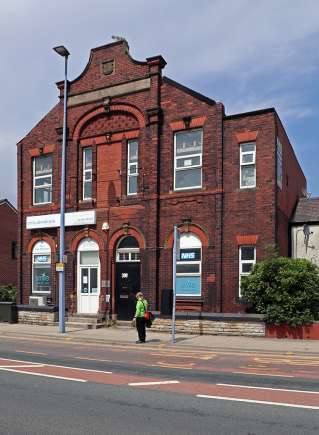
(88, 277)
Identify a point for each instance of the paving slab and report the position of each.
(129, 335)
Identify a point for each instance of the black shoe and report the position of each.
(139, 341)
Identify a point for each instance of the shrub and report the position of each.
(8, 293)
(285, 290)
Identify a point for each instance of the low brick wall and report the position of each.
(37, 315)
(231, 326)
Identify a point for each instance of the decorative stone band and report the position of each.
(110, 91)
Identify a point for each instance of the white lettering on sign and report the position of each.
(188, 255)
(124, 275)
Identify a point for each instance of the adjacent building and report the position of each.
(8, 243)
(146, 153)
(305, 230)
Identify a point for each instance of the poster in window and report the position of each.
(188, 285)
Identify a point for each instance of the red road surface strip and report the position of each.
(226, 392)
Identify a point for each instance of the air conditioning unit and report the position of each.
(37, 300)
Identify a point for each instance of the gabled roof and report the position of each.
(307, 210)
(188, 91)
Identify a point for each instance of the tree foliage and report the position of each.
(285, 290)
(8, 293)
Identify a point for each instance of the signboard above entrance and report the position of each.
(53, 220)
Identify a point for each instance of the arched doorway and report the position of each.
(88, 277)
(127, 276)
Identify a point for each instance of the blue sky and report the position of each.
(248, 54)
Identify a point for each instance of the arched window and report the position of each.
(128, 250)
(188, 268)
(41, 268)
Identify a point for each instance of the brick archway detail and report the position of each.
(188, 228)
(119, 107)
(126, 232)
(83, 235)
(44, 238)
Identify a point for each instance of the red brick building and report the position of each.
(144, 154)
(8, 245)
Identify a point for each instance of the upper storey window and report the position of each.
(42, 179)
(188, 149)
(247, 165)
(87, 173)
(132, 167)
(279, 163)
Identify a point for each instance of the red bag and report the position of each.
(149, 317)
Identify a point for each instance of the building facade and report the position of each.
(305, 230)
(8, 245)
(146, 153)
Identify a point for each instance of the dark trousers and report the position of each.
(140, 326)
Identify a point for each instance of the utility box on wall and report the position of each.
(167, 302)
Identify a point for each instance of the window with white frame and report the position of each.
(42, 179)
(87, 173)
(188, 267)
(41, 268)
(248, 165)
(128, 250)
(132, 167)
(279, 163)
(188, 150)
(247, 260)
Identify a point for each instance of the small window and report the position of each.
(188, 267)
(87, 173)
(42, 179)
(41, 268)
(248, 165)
(188, 159)
(279, 163)
(132, 167)
(247, 260)
(14, 250)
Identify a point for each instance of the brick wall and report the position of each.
(294, 186)
(247, 212)
(153, 109)
(8, 235)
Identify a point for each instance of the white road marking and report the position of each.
(267, 388)
(31, 353)
(79, 368)
(21, 366)
(17, 360)
(137, 384)
(233, 399)
(42, 374)
(35, 364)
(264, 374)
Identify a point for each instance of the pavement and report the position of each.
(120, 335)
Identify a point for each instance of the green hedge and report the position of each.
(8, 293)
(285, 290)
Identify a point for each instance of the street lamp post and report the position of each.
(62, 51)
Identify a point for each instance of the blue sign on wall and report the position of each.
(188, 285)
(190, 254)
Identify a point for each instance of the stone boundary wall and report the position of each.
(37, 317)
(211, 327)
